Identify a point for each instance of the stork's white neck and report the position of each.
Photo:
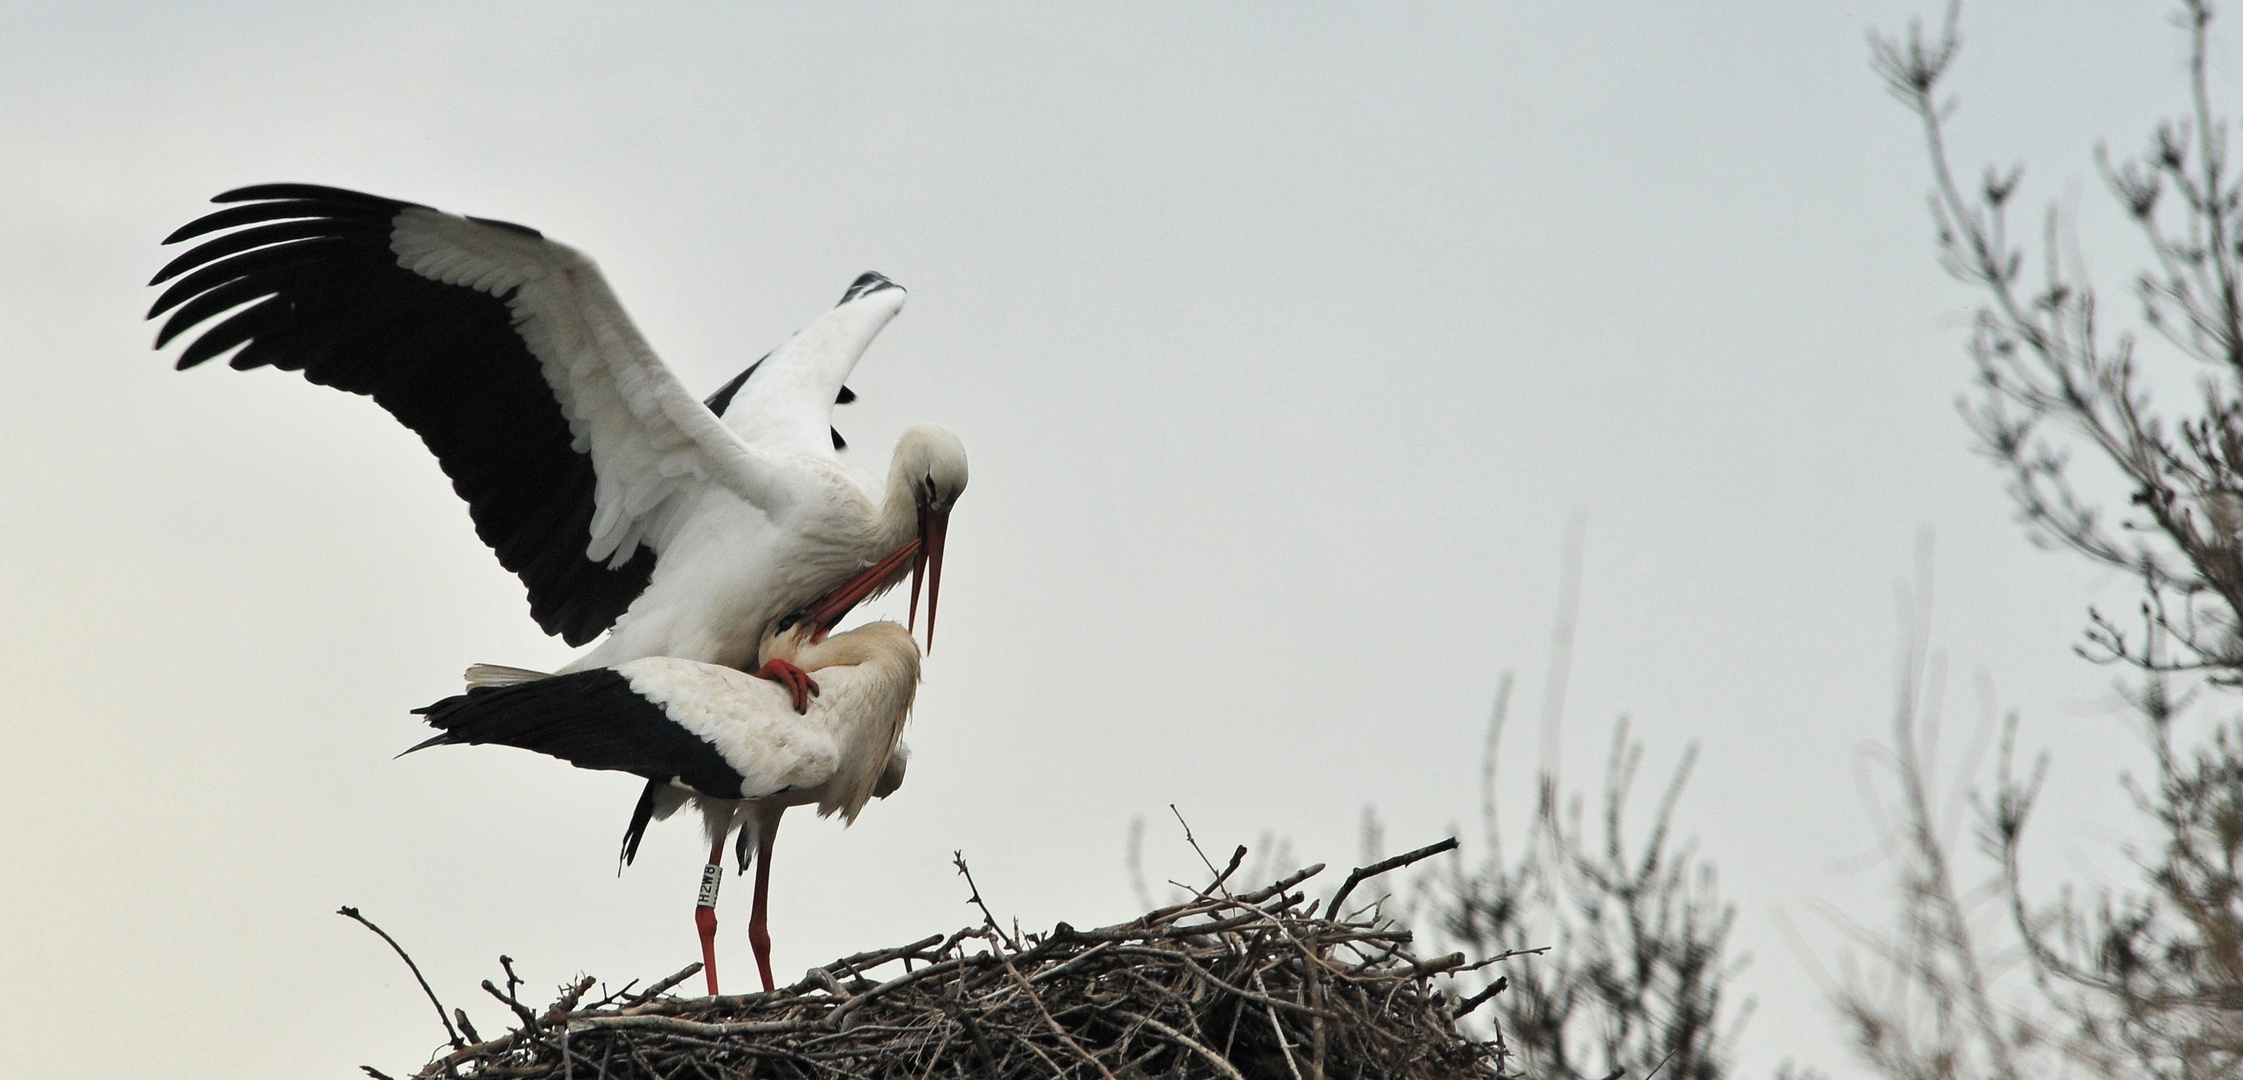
(898, 523)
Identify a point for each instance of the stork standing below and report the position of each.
(740, 749)
(690, 528)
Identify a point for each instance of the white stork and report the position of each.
(739, 748)
(689, 528)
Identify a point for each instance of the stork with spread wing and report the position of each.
(684, 528)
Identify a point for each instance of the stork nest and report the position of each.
(1243, 986)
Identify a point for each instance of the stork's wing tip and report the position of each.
(867, 283)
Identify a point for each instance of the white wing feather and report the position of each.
(751, 722)
(786, 409)
(652, 443)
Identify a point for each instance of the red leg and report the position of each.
(759, 935)
(794, 679)
(705, 913)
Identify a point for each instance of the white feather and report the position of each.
(650, 440)
(501, 675)
(836, 754)
(787, 408)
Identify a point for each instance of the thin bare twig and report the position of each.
(989, 918)
(1363, 873)
(449, 1031)
(657, 990)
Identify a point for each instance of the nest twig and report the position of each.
(1240, 986)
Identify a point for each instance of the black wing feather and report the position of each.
(238, 327)
(268, 235)
(722, 399)
(319, 193)
(324, 296)
(213, 300)
(242, 215)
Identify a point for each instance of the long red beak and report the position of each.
(933, 526)
(824, 615)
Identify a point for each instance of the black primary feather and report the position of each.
(722, 399)
(312, 286)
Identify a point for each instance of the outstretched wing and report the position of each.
(783, 404)
(571, 442)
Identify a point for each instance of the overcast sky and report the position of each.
(1285, 340)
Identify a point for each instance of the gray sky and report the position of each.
(1284, 340)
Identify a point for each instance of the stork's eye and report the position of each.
(930, 482)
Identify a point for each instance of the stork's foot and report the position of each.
(797, 681)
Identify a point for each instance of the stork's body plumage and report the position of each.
(733, 569)
(690, 528)
(730, 744)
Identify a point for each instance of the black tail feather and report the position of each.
(590, 719)
(641, 816)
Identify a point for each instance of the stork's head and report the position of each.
(928, 475)
(933, 462)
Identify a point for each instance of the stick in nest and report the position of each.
(1363, 873)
